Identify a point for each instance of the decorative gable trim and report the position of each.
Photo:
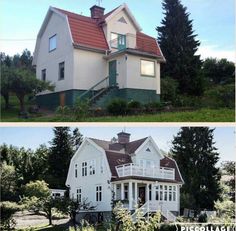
(122, 20)
(126, 8)
(153, 143)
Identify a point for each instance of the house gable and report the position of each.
(87, 152)
(148, 151)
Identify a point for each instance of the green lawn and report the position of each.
(200, 115)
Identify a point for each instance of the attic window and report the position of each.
(122, 19)
(148, 150)
(53, 43)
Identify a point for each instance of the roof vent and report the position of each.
(123, 137)
(97, 12)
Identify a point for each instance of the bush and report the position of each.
(153, 107)
(220, 96)
(202, 217)
(169, 90)
(81, 108)
(117, 107)
(134, 107)
(188, 101)
(7, 211)
(63, 111)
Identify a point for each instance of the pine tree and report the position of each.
(60, 155)
(179, 45)
(194, 151)
(77, 139)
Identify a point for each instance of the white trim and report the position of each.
(164, 60)
(126, 8)
(154, 144)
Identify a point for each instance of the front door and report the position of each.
(112, 73)
(141, 195)
(121, 42)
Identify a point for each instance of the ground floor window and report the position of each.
(126, 192)
(99, 193)
(78, 195)
(165, 193)
(147, 68)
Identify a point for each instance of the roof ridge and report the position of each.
(99, 139)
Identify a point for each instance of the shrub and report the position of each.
(117, 107)
(63, 111)
(81, 108)
(7, 211)
(220, 96)
(188, 101)
(134, 107)
(169, 88)
(153, 106)
(202, 217)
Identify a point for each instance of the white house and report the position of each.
(135, 171)
(98, 57)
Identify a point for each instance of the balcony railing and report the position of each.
(123, 42)
(153, 172)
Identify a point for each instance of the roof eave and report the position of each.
(135, 52)
(89, 48)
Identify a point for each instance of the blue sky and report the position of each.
(213, 21)
(32, 137)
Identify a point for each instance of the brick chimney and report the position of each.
(97, 12)
(123, 137)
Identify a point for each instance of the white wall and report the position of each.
(88, 183)
(113, 25)
(89, 68)
(136, 80)
(143, 154)
(63, 53)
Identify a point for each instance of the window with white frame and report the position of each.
(78, 195)
(165, 192)
(98, 193)
(43, 75)
(53, 43)
(84, 168)
(92, 166)
(126, 192)
(147, 68)
(76, 170)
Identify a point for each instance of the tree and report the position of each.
(179, 45)
(229, 169)
(24, 82)
(8, 181)
(218, 71)
(60, 155)
(77, 139)
(194, 151)
(37, 197)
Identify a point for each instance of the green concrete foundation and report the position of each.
(52, 100)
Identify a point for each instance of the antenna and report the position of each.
(99, 2)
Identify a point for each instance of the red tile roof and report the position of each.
(170, 163)
(147, 44)
(85, 31)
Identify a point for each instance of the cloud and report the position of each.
(213, 51)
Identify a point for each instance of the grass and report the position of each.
(199, 115)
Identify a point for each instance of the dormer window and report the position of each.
(53, 43)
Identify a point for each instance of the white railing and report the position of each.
(151, 207)
(154, 172)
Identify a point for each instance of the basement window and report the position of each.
(147, 68)
(53, 43)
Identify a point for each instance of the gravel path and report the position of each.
(26, 219)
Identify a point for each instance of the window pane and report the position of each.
(52, 43)
(61, 70)
(147, 68)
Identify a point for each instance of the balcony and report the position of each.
(153, 172)
(121, 42)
